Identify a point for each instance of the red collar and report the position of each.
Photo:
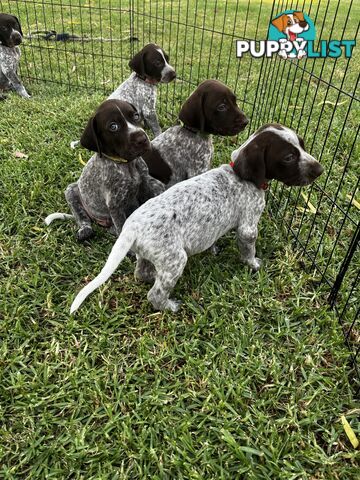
(263, 186)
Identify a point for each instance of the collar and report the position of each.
(194, 130)
(150, 81)
(115, 159)
(263, 186)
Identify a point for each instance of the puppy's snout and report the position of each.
(16, 38)
(140, 140)
(241, 122)
(169, 76)
(316, 170)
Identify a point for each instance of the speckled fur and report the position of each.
(187, 153)
(9, 62)
(143, 96)
(107, 193)
(186, 219)
(190, 216)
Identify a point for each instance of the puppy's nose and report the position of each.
(316, 170)
(171, 75)
(139, 139)
(16, 38)
(303, 24)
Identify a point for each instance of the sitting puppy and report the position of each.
(150, 67)
(190, 216)
(181, 152)
(10, 37)
(116, 180)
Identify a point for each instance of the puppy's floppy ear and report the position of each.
(90, 137)
(279, 23)
(137, 63)
(250, 164)
(19, 25)
(192, 113)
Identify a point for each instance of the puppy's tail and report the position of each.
(57, 216)
(121, 247)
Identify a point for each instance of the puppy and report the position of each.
(181, 152)
(10, 37)
(116, 180)
(150, 66)
(190, 216)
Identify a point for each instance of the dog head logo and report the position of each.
(293, 29)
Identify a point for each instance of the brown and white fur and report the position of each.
(190, 216)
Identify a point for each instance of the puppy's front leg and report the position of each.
(151, 121)
(16, 83)
(247, 236)
(117, 214)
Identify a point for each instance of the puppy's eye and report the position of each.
(289, 22)
(113, 127)
(289, 158)
(136, 117)
(221, 107)
(158, 63)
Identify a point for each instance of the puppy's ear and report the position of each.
(137, 63)
(19, 25)
(192, 113)
(279, 23)
(90, 137)
(250, 164)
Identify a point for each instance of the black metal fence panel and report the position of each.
(316, 97)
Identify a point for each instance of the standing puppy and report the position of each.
(10, 37)
(190, 216)
(116, 180)
(181, 152)
(150, 66)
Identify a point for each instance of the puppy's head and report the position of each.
(152, 63)
(212, 108)
(114, 131)
(275, 152)
(10, 30)
(291, 24)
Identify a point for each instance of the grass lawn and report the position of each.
(250, 378)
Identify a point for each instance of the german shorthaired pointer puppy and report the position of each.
(181, 152)
(150, 67)
(190, 216)
(10, 37)
(116, 180)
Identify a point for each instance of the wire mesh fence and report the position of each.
(316, 97)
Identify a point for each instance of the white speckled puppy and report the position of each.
(190, 216)
(10, 37)
(150, 66)
(182, 152)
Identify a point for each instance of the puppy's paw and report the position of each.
(173, 305)
(255, 264)
(214, 249)
(84, 233)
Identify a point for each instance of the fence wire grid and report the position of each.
(316, 97)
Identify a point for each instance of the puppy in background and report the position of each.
(150, 67)
(115, 181)
(186, 150)
(10, 38)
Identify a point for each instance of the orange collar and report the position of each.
(263, 186)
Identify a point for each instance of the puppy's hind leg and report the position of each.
(83, 220)
(145, 270)
(168, 270)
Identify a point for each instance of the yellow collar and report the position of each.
(115, 159)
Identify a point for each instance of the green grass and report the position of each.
(248, 381)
